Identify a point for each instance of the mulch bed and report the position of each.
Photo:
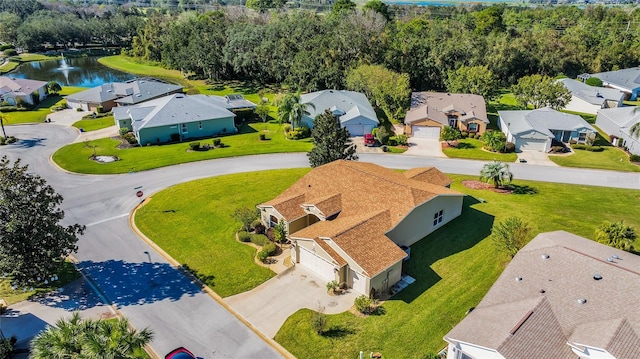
(486, 186)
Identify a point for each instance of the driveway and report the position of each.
(536, 158)
(269, 305)
(424, 147)
(361, 148)
(66, 117)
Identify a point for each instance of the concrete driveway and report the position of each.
(269, 305)
(424, 147)
(535, 158)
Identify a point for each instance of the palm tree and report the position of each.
(78, 338)
(4, 134)
(496, 172)
(291, 109)
(616, 234)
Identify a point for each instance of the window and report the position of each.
(453, 121)
(273, 221)
(473, 127)
(437, 217)
(582, 137)
(200, 125)
(184, 128)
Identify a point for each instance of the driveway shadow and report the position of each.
(124, 283)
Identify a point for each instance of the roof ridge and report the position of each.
(375, 174)
(365, 218)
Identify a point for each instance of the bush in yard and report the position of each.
(382, 135)
(319, 321)
(392, 141)
(634, 158)
(280, 232)
(363, 304)
(130, 138)
(217, 142)
(332, 286)
(10, 52)
(262, 256)
(573, 142)
(510, 235)
(494, 141)
(402, 140)
(123, 131)
(509, 147)
(270, 248)
(194, 146)
(449, 134)
(244, 236)
(617, 235)
(464, 134)
(246, 216)
(3, 141)
(259, 239)
(287, 128)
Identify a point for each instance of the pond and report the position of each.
(79, 71)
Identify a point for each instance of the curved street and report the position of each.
(144, 286)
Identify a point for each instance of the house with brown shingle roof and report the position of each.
(431, 111)
(348, 220)
(562, 296)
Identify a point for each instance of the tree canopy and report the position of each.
(540, 91)
(329, 141)
(478, 80)
(33, 244)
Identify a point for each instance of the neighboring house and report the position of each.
(110, 95)
(345, 226)
(12, 89)
(352, 109)
(590, 99)
(175, 117)
(617, 122)
(431, 111)
(561, 296)
(626, 80)
(534, 130)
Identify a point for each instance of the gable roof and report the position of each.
(540, 290)
(344, 104)
(623, 117)
(591, 94)
(542, 120)
(127, 93)
(626, 78)
(234, 102)
(172, 110)
(20, 87)
(359, 193)
(436, 106)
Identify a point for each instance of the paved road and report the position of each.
(144, 286)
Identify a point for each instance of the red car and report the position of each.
(369, 140)
(180, 353)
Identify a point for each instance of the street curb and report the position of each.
(280, 349)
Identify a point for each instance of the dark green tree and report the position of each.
(478, 80)
(540, 91)
(264, 5)
(379, 7)
(329, 141)
(593, 81)
(343, 5)
(33, 244)
(617, 235)
(54, 87)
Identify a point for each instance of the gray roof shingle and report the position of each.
(591, 94)
(625, 78)
(541, 121)
(345, 104)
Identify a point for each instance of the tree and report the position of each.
(246, 216)
(4, 133)
(329, 141)
(379, 7)
(33, 245)
(291, 110)
(510, 235)
(496, 172)
(494, 140)
(280, 232)
(262, 111)
(617, 235)
(449, 134)
(477, 80)
(540, 91)
(264, 5)
(343, 5)
(54, 87)
(78, 338)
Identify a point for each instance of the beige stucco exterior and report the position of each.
(425, 123)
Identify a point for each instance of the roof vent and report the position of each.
(518, 279)
(597, 276)
(610, 259)
(542, 291)
(545, 256)
(615, 256)
(582, 301)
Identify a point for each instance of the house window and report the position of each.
(582, 137)
(273, 221)
(184, 128)
(473, 127)
(437, 217)
(453, 121)
(200, 125)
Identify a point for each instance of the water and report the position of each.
(80, 71)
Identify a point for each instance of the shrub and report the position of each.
(10, 52)
(476, 136)
(8, 108)
(464, 134)
(332, 286)
(217, 142)
(262, 256)
(363, 304)
(587, 148)
(175, 137)
(573, 142)
(594, 81)
(287, 128)
(634, 158)
(259, 228)
(123, 131)
(299, 133)
(382, 135)
(79, 109)
(319, 322)
(194, 146)
(11, 139)
(270, 248)
(259, 239)
(510, 235)
(392, 141)
(280, 232)
(3, 141)
(6, 46)
(246, 216)
(63, 104)
(130, 138)
(99, 109)
(244, 236)
(402, 140)
(509, 147)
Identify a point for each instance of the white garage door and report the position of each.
(425, 132)
(355, 130)
(358, 282)
(531, 144)
(323, 268)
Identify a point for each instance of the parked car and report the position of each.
(369, 140)
(180, 353)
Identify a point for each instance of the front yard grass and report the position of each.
(470, 148)
(454, 267)
(93, 124)
(75, 157)
(203, 212)
(610, 158)
(41, 110)
(67, 274)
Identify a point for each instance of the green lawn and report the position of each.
(130, 65)
(42, 110)
(203, 210)
(454, 267)
(15, 61)
(93, 124)
(75, 157)
(472, 149)
(611, 158)
(67, 275)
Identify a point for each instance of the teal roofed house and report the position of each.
(176, 117)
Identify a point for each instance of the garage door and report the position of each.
(316, 264)
(355, 130)
(425, 132)
(358, 282)
(531, 144)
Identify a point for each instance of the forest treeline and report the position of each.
(310, 51)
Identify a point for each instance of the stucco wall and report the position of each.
(419, 222)
(579, 105)
(378, 282)
(209, 128)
